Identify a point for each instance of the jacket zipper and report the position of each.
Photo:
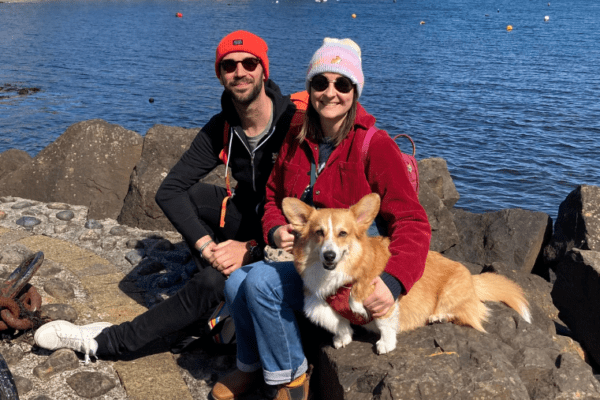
(252, 153)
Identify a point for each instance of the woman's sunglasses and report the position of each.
(341, 84)
(249, 64)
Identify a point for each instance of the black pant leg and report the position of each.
(201, 293)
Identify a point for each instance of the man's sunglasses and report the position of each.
(249, 64)
(341, 84)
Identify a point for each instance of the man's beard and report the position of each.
(246, 99)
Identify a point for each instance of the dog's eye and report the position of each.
(342, 234)
(319, 232)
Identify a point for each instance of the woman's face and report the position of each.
(331, 104)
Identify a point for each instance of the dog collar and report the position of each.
(340, 302)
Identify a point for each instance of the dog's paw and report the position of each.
(384, 347)
(341, 340)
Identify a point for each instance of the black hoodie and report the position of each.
(250, 169)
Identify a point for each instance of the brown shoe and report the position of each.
(296, 390)
(236, 384)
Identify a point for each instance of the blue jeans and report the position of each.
(262, 298)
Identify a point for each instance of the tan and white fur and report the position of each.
(332, 249)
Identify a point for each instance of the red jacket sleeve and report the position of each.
(408, 226)
(276, 190)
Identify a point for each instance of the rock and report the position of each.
(576, 294)
(22, 204)
(444, 234)
(59, 289)
(434, 173)
(118, 231)
(90, 384)
(23, 385)
(89, 164)
(15, 254)
(28, 222)
(513, 237)
(58, 206)
(11, 160)
(134, 256)
(12, 354)
(163, 147)
(59, 361)
(59, 312)
(577, 224)
(66, 215)
(445, 361)
(93, 224)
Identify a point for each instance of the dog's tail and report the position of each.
(490, 286)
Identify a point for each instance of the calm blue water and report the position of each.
(516, 114)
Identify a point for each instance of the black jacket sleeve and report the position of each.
(200, 159)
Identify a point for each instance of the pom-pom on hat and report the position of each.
(341, 56)
(244, 42)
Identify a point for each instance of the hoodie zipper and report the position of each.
(252, 152)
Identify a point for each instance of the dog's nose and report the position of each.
(329, 256)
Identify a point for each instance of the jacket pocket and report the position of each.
(290, 174)
(353, 182)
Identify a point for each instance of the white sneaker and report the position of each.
(63, 334)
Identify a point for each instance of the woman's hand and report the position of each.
(380, 301)
(283, 237)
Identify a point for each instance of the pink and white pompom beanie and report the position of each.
(342, 56)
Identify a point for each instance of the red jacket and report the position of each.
(345, 180)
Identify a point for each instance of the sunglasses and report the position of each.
(249, 64)
(341, 84)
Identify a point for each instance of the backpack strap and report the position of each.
(223, 156)
(409, 160)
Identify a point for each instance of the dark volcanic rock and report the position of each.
(11, 160)
(89, 164)
(512, 237)
(577, 224)
(444, 234)
(434, 173)
(515, 360)
(90, 384)
(163, 147)
(576, 294)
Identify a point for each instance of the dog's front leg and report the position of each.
(320, 313)
(388, 328)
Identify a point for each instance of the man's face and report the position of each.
(243, 85)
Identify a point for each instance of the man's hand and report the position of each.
(283, 237)
(228, 256)
(380, 301)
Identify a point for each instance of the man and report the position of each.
(223, 232)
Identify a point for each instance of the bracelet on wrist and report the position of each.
(201, 249)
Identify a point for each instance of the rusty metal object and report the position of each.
(17, 295)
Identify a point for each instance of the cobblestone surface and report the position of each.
(101, 271)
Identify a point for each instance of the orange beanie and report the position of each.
(245, 42)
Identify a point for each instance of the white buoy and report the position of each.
(546, 18)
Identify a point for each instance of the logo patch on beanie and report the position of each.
(238, 42)
(336, 60)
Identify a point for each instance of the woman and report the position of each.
(262, 297)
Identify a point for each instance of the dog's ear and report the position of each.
(296, 211)
(366, 210)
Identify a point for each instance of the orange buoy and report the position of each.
(353, 15)
(509, 28)
(179, 15)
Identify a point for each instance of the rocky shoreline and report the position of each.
(115, 254)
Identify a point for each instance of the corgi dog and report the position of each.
(332, 250)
